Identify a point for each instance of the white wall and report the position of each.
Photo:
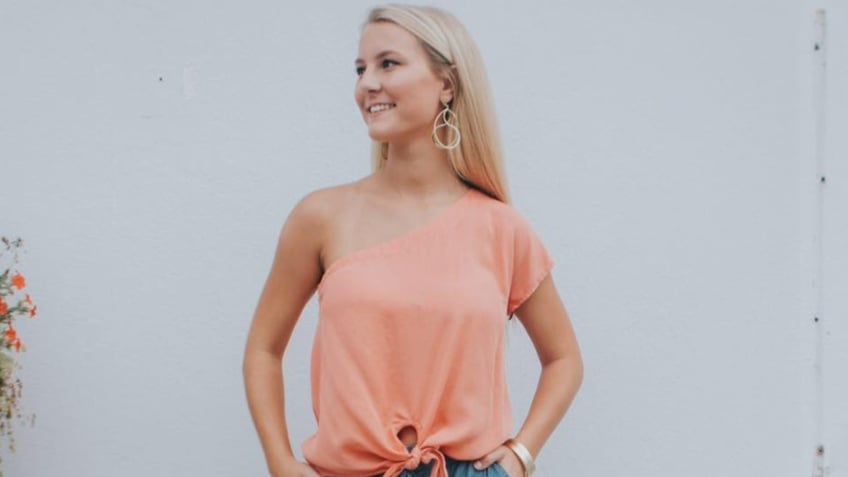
(150, 151)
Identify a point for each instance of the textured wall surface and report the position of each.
(150, 151)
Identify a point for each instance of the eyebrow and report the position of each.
(379, 55)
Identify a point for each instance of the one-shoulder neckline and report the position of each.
(424, 229)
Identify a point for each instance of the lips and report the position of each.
(379, 107)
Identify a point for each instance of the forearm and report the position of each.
(263, 382)
(558, 383)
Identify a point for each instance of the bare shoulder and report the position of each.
(321, 206)
(317, 215)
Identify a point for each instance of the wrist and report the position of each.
(523, 455)
(283, 465)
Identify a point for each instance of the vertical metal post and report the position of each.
(819, 116)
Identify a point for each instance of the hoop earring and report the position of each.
(448, 120)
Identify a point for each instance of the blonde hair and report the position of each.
(478, 159)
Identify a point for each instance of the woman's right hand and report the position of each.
(296, 468)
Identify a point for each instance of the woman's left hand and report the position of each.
(508, 460)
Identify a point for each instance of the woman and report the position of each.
(418, 267)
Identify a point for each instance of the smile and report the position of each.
(381, 107)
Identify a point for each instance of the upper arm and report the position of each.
(294, 276)
(533, 296)
(546, 320)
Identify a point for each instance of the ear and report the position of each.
(446, 96)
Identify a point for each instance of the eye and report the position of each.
(360, 70)
(387, 62)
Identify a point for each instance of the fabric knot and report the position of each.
(414, 459)
(417, 456)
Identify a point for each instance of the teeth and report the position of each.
(380, 107)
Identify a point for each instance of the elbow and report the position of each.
(251, 357)
(577, 370)
(246, 363)
(575, 365)
(258, 356)
(570, 367)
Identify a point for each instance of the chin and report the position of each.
(389, 135)
(381, 136)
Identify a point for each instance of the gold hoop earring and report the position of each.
(448, 120)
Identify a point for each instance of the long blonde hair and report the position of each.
(478, 159)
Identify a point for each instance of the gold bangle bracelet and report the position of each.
(523, 455)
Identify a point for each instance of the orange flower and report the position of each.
(30, 306)
(4, 308)
(18, 344)
(10, 334)
(18, 281)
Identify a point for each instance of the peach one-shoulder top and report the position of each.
(411, 333)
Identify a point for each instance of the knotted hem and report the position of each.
(418, 455)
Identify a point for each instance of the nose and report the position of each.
(368, 81)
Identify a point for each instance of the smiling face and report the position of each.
(397, 91)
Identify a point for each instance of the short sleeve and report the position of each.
(531, 263)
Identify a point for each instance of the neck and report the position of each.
(421, 169)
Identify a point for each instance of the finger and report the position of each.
(490, 458)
